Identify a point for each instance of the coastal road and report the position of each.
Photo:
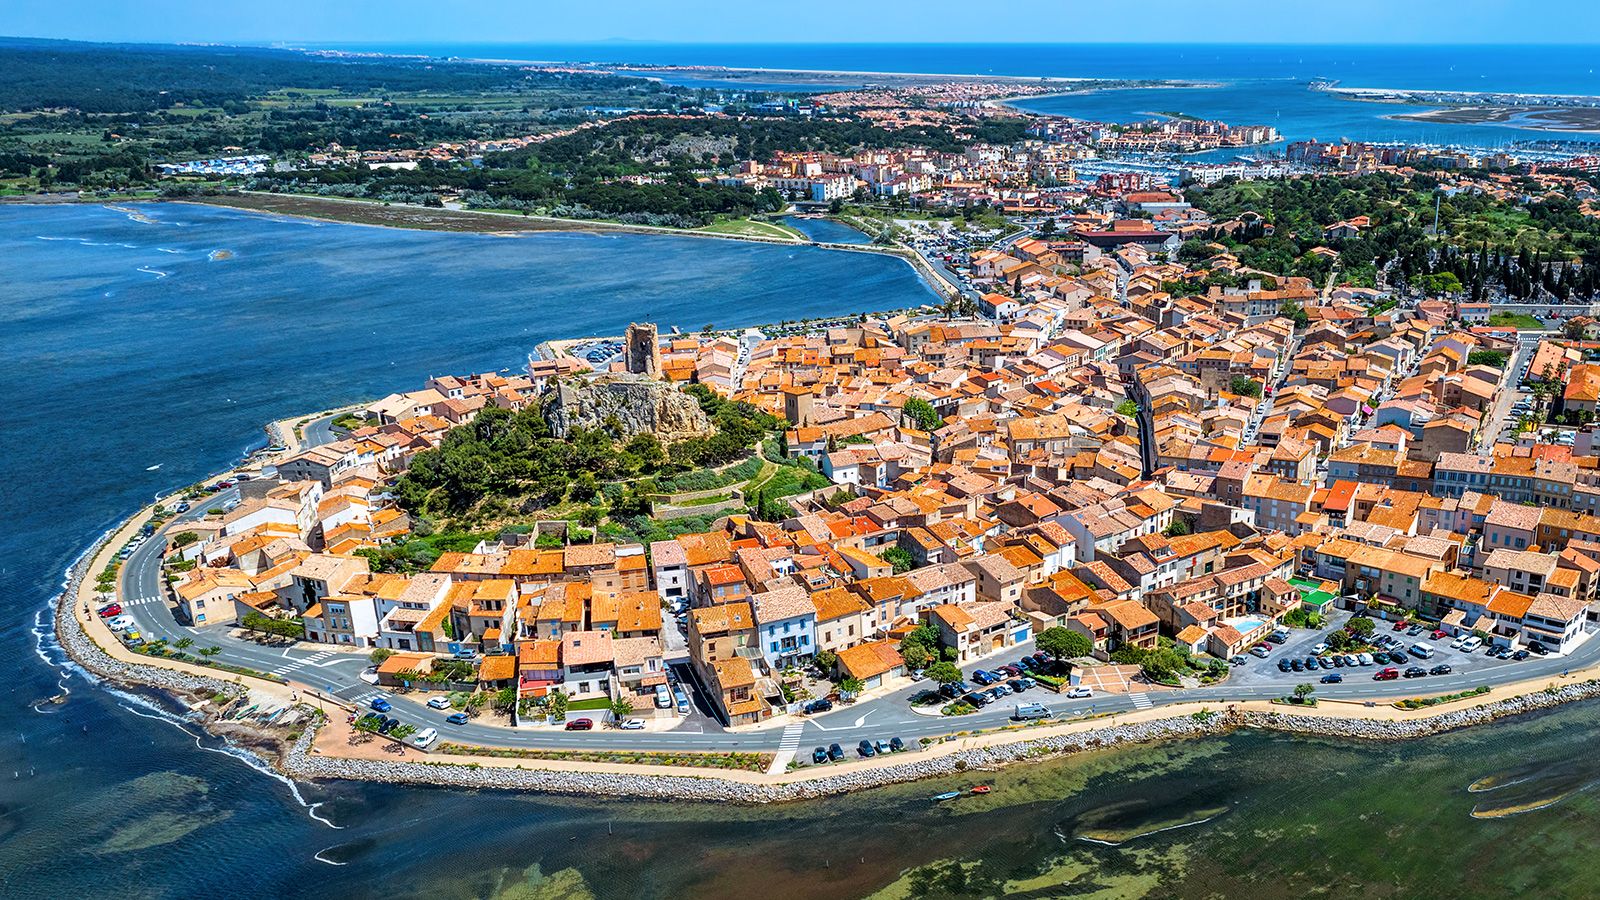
(337, 671)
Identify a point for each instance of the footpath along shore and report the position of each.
(324, 753)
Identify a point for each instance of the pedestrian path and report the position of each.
(786, 748)
(1141, 700)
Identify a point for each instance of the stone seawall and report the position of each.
(86, 653)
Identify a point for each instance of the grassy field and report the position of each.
(1516, 320)
(753, 228)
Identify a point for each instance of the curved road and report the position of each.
(336, 671)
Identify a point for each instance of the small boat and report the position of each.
(947, 795)
(982, 789)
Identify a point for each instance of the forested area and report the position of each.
(1485, 246)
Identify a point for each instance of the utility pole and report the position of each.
(1435, 213)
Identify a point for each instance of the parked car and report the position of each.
(1502, 653)
(388, 724)
(1297, 665)
(1471, 643)
(1537, 648)
(439, 703)
(120, 623)
(580, 724)
(865, 749)
(1365, 658)
(1415, 672)
(1440, 634)
(425, 738)
(949, 691)
(1398, 658)
(1332, 678)
(1311, 662)
(1401, 625)
(1320, 648)
(1414, 630)
(998, 691)
(982, 677)
(111, 609)
(459, 718)
(663, 697)
(1016, 685)
(1520, 655)
(1389, 673)
(1079, 693)
(819, 755)
(632, 725)
(896, 744)
(1441, 669)
(819, 706)
(1456, 644)
(1027, 664)
(379, 704)
(975, 699)
(1284, 665)
(1325, 662)
(1010, 671)
(1260, 651)
(1238, 660)
(881, 745)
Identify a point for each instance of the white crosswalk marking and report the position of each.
(1141, 700)
(292, 665)
(787, 745)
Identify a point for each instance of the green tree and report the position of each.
(944, 672)
(1128, 408)
(1303, 692)
(825, 660)
(899, 558)
(184, 643)
(1244, 387)
(1361, 626)
(1063, 643)
(184, 538)
(379, 655)
(915, 657)
(1178, 528)
(555, 703)
(851, 685)
(922, 414)
(621, 708)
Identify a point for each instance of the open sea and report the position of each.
(1260, 84)
(168, 334)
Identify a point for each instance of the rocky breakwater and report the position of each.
(1356, 726)
(86, 653)
(631, 404)
(932, 763)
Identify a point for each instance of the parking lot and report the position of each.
(1301, 641)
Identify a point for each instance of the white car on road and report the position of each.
(1080, 692)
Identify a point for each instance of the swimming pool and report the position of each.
(1248, 625)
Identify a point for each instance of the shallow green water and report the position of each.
(1248, 815)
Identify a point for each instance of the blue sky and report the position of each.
(808, 21)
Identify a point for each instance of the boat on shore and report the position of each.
(983, 789)
(947, 795)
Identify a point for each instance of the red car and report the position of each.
(110, 609)
(1389, 674)
(580, 725)
(1401, 625)
(1439, 634)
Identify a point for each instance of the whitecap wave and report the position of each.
(318, 857)
(156, 272)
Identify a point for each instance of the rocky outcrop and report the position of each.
(632, 404)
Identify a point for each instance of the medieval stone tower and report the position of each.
(641, 352)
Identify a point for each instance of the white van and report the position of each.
(1026, 711)
(1423, 650)
(663, 697)
(426, 738)
(1364, 658)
